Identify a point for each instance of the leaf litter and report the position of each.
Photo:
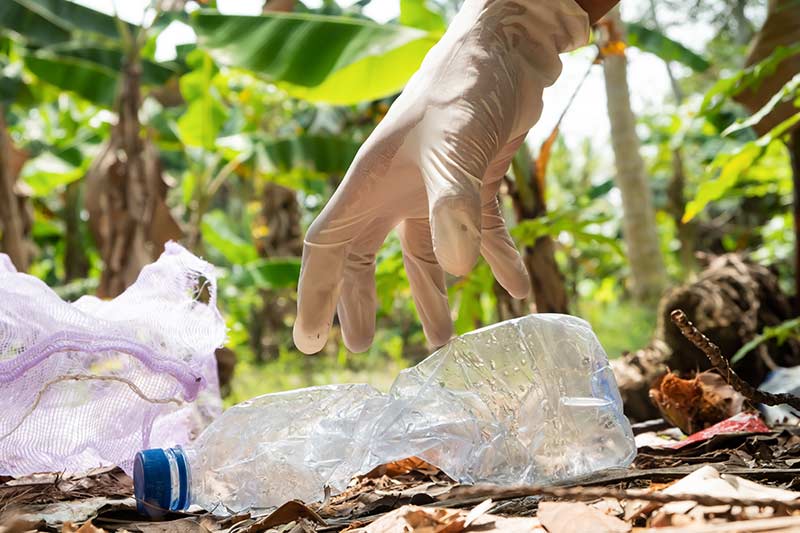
(702, 487)
(731, 474)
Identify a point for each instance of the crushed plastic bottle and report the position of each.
(527, 401)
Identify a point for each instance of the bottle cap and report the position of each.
(161, 481)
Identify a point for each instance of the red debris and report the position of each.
(747, 422)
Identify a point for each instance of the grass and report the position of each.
(621, 326)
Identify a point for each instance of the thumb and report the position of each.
(456, 227)
(452, 167)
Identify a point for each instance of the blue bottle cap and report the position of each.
(161, 481)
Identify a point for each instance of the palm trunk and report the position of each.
(639, 221)
(280, 213)
(125, 194)
(76, 264)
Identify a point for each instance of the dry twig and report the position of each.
(592, 493)
(714, 355)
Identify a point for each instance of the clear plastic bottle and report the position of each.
(527, 401)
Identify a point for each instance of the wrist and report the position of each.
(560, 24)
(596, 8)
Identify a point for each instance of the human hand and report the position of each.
(432, 169)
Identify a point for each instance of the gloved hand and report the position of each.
(432, 169)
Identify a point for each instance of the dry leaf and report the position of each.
(87, 527)
(15, 524)
(438, 520)
(435, 520)
(577, 517)
(609, 506)
(402, 467)
(783, 524)
(182, 525)
(697, 403)
(708, 481)
(74, 511)
(291, 511)
(705, 481)
(478, 511)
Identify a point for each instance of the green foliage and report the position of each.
(657, 43)
(51, 21)
(218, 233)
(47, 173)
(112, 57)
(89, 80)
(730, 169)
(584, 229)
(202, 121)
(11, 85)
(80, 53)
(473, 299)
(279, 273)
(354, 60)
(743, 79)
(325, 154)
(417, 14)
(790, 92)
(780, 333)
(621, 325)
(293, 370)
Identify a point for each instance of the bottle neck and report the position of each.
(180, 478)
(162, 481)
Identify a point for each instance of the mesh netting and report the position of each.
(89, 383)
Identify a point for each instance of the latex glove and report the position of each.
(432, 169)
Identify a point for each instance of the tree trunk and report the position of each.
(781, 29)
(639, 221)
(125, 193)
(15, 220)
(676, 199)
(794, 151)
(687, 231)
(76, 264)
(280, 215)
(744, 28)
(529, 200)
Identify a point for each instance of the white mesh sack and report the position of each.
(90, 383)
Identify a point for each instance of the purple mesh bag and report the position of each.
(90, 383)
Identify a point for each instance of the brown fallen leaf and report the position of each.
(291, 511)
(402, 467)
(577, 517)
(609, 506)
(435, 520)
(707, 481)
(441, 520)
(477, 512)
(182, 525)
(87, 527)
(783, 524)
(16, 524)
(697, 403)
